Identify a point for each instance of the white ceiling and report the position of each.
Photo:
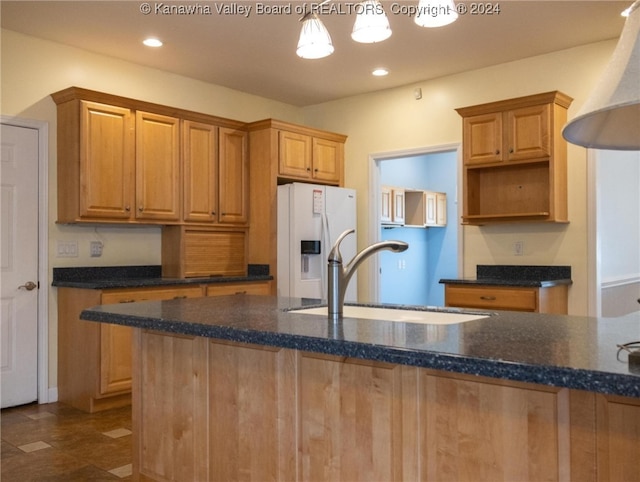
(256, 54)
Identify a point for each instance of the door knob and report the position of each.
(29, 286)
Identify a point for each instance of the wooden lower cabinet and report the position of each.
(553, 299)
(244, 412)
(94, 359)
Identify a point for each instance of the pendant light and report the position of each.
(372, 24)
(315, 41)
(610, 118)
(435, 13)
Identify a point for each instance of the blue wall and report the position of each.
(432, 253)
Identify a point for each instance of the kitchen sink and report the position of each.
(429, 317)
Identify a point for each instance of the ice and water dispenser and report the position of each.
(310, 259)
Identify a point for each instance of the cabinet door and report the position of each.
(528, 133)
(398, 206)
(234, 167)
(294, 155)
(115, 359)
(431, 208)
(157, 167)
(441, 209)
(327, 160)
(387, 202)
(200, 164)
(482, 138)
(106, 162)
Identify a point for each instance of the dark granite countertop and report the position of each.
(105, 277)
(518, 276)
(564, 351)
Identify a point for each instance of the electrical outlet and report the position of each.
(67, 249)
(96, 249)
(518, 248)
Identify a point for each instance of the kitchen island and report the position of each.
(239, 387)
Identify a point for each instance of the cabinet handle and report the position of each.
(488, 298)
(127, 301)
(241, 292)
(180, 297)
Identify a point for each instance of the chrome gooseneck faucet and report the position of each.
(339, 277)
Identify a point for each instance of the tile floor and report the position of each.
(55, 442)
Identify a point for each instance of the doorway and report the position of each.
(614, 232)
(24, 280)
(434, 253)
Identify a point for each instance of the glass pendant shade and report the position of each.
(435, 13)
(315, 41)
(372, 24)
(610, 117)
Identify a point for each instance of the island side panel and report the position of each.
(618, 438)
(252, 412)
(350, 419)
(169, 407)
(478, 430)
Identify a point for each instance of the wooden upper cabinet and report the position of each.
(127, 161)
(514, 135)
(200, 170)
(157, 167)
(528, 136)
(327, 160)
(309, 158)
(234, 176)
(215, 174)
(96, 149)
(482, 138)
(515, 160)
(295, 155)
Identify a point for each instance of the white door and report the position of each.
(19, 264)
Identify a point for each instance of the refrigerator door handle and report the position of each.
(326, 240)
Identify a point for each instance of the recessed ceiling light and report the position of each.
(152, 42)
(380, 72)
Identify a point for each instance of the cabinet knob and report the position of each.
(127, 208)
(141, 208)
(511, 151)
(497, 152)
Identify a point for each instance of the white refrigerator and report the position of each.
(310, 219)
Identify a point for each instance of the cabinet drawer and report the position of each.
(131, 295)
(222, 289)
(516, 299)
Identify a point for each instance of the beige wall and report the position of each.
(393, 120)
(32, 69)
(378, 122)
